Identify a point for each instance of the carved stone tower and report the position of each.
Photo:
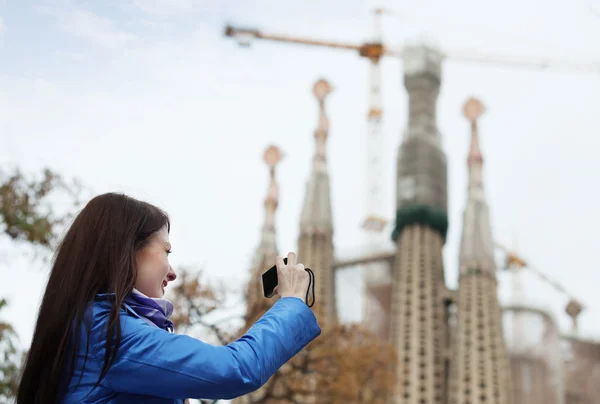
(480, 364)
(266, 252)
(264, 258)
(418, 326)
(315, 243)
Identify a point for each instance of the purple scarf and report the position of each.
(154, 311)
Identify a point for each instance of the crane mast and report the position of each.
(375, 219)
(377, 275)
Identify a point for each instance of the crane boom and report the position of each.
(471, 56)
(233, 32)
(254, 33)
(377, 50)
(513, 258)
(368, 50)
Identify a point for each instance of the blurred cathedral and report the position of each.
(454, 346)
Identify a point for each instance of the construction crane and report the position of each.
(375, 219)
(515, 263)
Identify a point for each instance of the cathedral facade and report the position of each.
(451, 345)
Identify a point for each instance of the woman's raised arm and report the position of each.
(153, 362)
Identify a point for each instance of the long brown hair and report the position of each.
(97, 255)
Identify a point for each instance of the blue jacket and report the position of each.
(155, 366)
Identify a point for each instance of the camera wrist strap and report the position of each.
(312, 282)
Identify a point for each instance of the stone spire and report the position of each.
(264, 258)
(272, 156)
(477, 248)
(316, 211)
(421, 169)
(480, 364)
(266, 252)
(315, 242)
(418, 326)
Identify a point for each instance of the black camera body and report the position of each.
(270, 280)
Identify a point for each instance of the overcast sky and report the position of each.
(147, 97)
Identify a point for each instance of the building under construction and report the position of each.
(454, 346)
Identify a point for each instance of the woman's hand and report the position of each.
(292, 279)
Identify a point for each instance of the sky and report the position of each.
(148, 97)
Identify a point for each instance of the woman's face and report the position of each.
(154, 270)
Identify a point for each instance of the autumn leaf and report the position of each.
(27, 211)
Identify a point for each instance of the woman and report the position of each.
(103, 333)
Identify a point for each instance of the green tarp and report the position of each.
(435, 218)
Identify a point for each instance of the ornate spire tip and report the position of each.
(473, 109)
(321, 89)
(272, 156)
